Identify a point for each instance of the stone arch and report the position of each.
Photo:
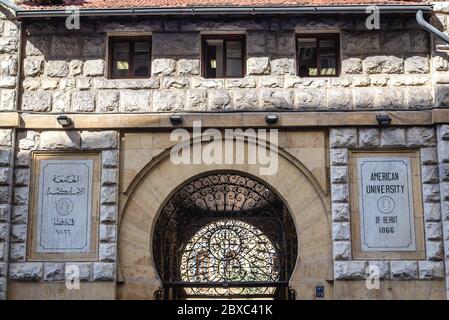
(160, 179)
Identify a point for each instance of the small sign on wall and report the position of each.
(64, 206)
(386, 205)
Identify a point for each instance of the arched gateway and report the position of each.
(225, 234)
(185, 230)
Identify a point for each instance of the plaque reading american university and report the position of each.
(386, 204)
(63, 205)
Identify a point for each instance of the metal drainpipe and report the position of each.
(428, 27)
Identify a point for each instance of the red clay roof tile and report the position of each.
(102, 4)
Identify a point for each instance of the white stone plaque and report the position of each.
(386, 204)
(64, 206)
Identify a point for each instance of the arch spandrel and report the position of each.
(307, 148)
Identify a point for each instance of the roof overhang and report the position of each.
(205, 11)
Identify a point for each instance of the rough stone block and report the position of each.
(25, 271)
(93, 68)
(393, 137)
(383, 267)
(169, 100)
(339, 99)
(33, 67)
(37, 101)
(404, 270)
(219, 100)
(188, 67)
(57, 68)
(343, 137)
(104, 271)
(351, 66)
(429, 156)
(429, 174)
(431, 270)
(339, 157)
(19, 233)
(341, 231)
(5, 174)
(51, 140)
(340, 193)
(431, 193)
(108, 213)
(258, 65)
(134, 100)
(19, 214)
(17, 252)
(108, 252)
(283, 66)
(276, 99)
(350, 270)
(309, 99)
(342, 250)
(163, 67)
(420, 136)
(417, 64)
(383, 64)
(109, 158)
(108, 233)
(99, 139)
(83, 101)
(340, 212)
(369, 137)
(21, 177)
(54, 271)
(175, 82)
(339, 174)
(433, 231)
(108, 101)
(84, 270)
(434, 250)
(108, 195)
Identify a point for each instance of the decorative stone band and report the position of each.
(27, 141)
(390, 270)
(343, 139)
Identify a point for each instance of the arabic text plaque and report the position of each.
(65, 206)
(387, 208)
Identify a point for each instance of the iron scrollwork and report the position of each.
(223, 229)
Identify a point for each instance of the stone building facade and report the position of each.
(400, 70)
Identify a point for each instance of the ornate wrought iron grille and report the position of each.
(225, 234)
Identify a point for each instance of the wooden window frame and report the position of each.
(319, 37)
(132, 41)
(225, 37)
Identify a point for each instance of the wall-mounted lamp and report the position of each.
(383, 119)
(271, 118)
(175, 119)
(64, 120)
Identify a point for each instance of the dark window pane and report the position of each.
(233, 49)
(328, 57)
(214, 61)
(120, 59)
(234, 68)
(234, 56)
(224, 58)
(307, 57)
(141, 64)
